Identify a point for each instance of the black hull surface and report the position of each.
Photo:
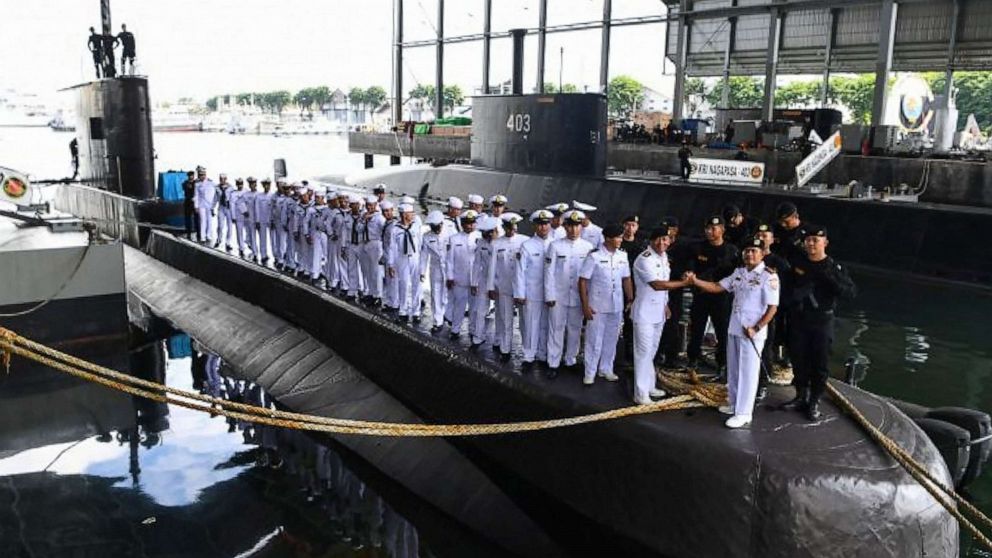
(676, 483)
(923, 240)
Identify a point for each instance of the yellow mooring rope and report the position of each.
(694, 393)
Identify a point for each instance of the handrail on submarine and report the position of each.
(693, 394)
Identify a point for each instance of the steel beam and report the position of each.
(439, 71)
(731, 37)
(487, 26)
(397, 62)
(604, 47)
(542, 23)
(771, 63)
(681, 57)
(883, 64)
(952, 46)
(828, 53)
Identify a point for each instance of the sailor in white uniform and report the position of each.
(452, 222)
(301, 229)
(244, 205)
(605, 292)
(323, 218)
(372, 251)
(334, 265)
(458, 266)
(432, 257)
(528, 290)
(263, 220)
(351, 248)
(475, 202)
(318, 237)
(478, 324)
(248, 199)
(390, 288)
(590, 231)
(225, 224)
(498, 204)
(756, 297)
(278, 233)
(205, 203)
(502, 272)
(404, 262)
(561, 293)
(652, 274)
(236, 219)
(283, 220)
(379, 191)
(558, 210)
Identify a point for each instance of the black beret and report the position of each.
(714, 220)
(631, 218)
(785, 209)
(753, 242)
(670, 221)
(659, 232)
(764, 227)
(731, 211)
(814, 230)
(612, 231)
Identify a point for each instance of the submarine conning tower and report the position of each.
(542, 134)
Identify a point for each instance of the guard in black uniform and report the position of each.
(778, 264)
(684, 153)
(672, 336)
(788, 232)
(95, 45)
(711, 259)
(633, 245)
(189, 212)
(740, 227)
(126, 39)
(817, 282)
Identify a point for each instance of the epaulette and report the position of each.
(646, 253)
(771, 270)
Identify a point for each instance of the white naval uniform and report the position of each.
(278, 233)
(225, 215)
(648, 316)
(332, 262)
(297, 215)
(285, 221)
(372, 252)
(528, 284)
(205, 200)
(432, 258)
(478, 325)
(605, 272)
(317, 239)
(449, 227)
(754, 291)
(263, 223)
(561, 286)
(557, 233)
(390, 287)
(351, 249)
(502, 271)
(242, 211)
(458, 266)
(593, 233)
(249, 201)
(404, 257)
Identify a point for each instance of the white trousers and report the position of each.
(289, 258)
(332, 263)
(439, 295)
(646, 339)
(206, 220)
(478, 325)
(251, 237)
(225, 226)
(564, 330)
(371, 270)
(534, 330)
(503, 335)
(407, 278)
(317, 254)
(278, 244)
(743, 369)
(458, 298)
(351, 274)
(602, 333)
(262, 233)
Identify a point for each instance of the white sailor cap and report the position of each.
(435, 217)
(354, 198)
(455, 202)
(371, 199)
(583, 206)
(475, 198)
(511, 218)
(406, 208)
(409, 200)
(558, 208)
(333, 193)
(386, 205)
(279, 180)
(319, 190)
(343, 194)
(498, 199)
(574, 217)
(541, 216)
(488, 223)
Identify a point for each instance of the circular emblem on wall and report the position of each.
(14, 187)
(756, 172)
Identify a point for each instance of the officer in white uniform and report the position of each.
(335, 267)
(236, 219)
(324, 212)
(225, 224)
(351, 248)
(248, 199)
(278, 233)
(372, 250)
(652, 274)
(452, 222)
(502, 272)
(756, 297)
(244, 204)
(318, 238)
(301, 225)
(404, 262)
(563, 261)
(379, 191)
(498, 204)
(432, 258)
(590, 231)
(528, 290)
(458, 266)
(475, 202)
(478, 325)
(283, 220)
(263, 220)
(205, 203)
(557, 210)
(605, 292)
(390, 288)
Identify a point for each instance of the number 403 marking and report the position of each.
(518, 123)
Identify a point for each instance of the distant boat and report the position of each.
(22, 111)
(176, 119)
(61, 123)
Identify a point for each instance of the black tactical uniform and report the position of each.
(189, 192)
(633, 248)
(678, 260)
(711, 263)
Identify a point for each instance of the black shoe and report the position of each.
(797, 403)
(504, 357)
(813, 411)
(435, 329)
(454, 335)
(526, 366)
(551, 373)
(475, 346)
(416, 319)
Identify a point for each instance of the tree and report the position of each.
(243, 99)
(356, 97)
(425, 93)
(277, 100)
(974, 95)
(212, 104)
(855, 93)
(798, 94)
(695, 93)
(623, 95)
(304, 100)
(552, 88)
(453, 97)
(745, 92)
(321, 95)
(374, 97)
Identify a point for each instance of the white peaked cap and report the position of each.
(488, 223)
(386, 205)
(498, 198)
(541, 215)
(475, 198)
(511, 218)
(455, 202)
(435, 217)
(574, 216)
(406, 208)
(560, 207)
(583, 206)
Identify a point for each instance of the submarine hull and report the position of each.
(674, 484)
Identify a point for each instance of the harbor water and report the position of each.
(923, 343)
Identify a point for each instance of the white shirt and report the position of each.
(605, 271)
(557, 233)
(458, 261)
(528, 281)
(481, 264)
(593, 233)
(561, 270)
(406, 241)
(205, 194)
(754, 291)
(649, 304)
(263, 207)
(504, 265)
(433, 250)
